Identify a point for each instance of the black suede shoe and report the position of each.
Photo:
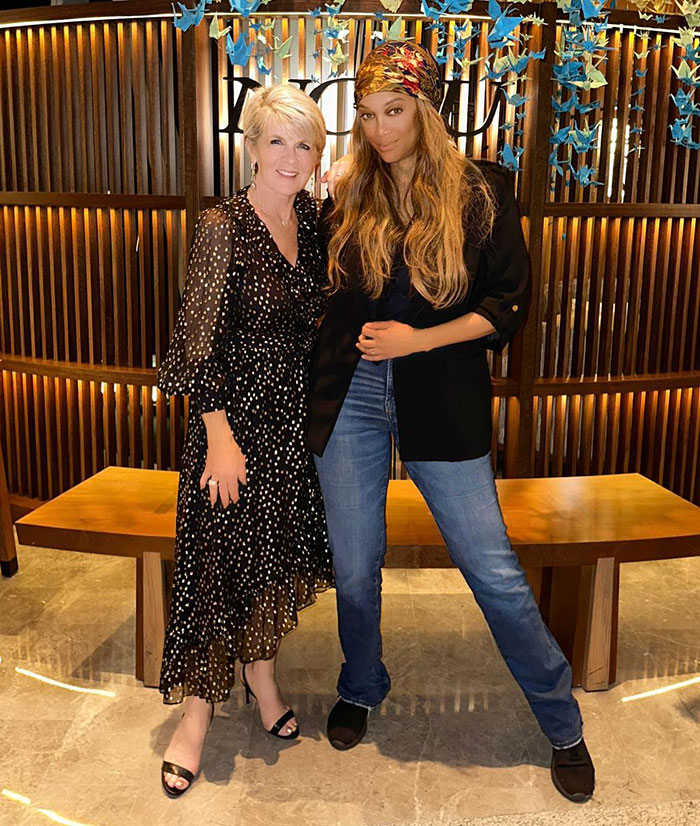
(347, 725)
(572, 772)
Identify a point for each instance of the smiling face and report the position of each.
(285, 158)
(389, 122)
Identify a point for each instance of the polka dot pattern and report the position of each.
(243, 342)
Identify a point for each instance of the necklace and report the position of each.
(283, 221)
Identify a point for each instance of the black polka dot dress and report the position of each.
(242, 343)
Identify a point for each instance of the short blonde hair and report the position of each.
(288, 105)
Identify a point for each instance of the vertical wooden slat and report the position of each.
(156, 151)
(20, 282)
(85, 124)
(30, 42)
(635, 301)
(59, 157)
(123, 47)
(53, 485)
(109, 424)
(694, 454)
(140, 102)
(99, 108)
(134, 416)
(623, 253)
(565, 306)
(5, 157)
(19, 76)
(72, 157)
(121, 429)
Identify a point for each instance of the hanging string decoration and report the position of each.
(578, 57)
(685, 126)
(505, 63)
(509, 68)
(335, 31)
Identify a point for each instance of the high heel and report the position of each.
(172, 768)
(283, 720)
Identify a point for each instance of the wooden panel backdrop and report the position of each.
(114, 138)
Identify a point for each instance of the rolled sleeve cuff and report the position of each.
(506, 317)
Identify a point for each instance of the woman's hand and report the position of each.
(337, 170)
(225, 463)
(381, 340)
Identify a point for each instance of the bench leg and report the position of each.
(153, 600)
(138, 642)
(596, 658)
(565, 599)
(8, 549)
(534, 579)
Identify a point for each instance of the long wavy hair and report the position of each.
(448, 194)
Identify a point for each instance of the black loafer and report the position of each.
(572, 772)
(347, 725)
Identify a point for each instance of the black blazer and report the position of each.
(443, 397)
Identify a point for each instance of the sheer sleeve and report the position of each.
(196, 363)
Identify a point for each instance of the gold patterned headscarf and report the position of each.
(399, 65)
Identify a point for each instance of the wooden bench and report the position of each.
(571, 535)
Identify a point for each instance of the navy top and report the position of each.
(395, 304)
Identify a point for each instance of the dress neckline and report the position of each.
(284, 258)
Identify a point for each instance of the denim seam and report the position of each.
(569, 745)
(355, 703)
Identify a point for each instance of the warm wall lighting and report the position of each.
(664, 690)
(101, 691)
(71, 20)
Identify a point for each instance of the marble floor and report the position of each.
(454, 744)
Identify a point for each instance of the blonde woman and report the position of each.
(429, 269)
(251, 545)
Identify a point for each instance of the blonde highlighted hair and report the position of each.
(289, 106)
(445, 188)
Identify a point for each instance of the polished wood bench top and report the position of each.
(570, 520)
(118, 511)
(553, 522)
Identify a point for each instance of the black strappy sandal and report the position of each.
(172, 768)
(283, 720)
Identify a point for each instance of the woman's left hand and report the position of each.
(380, 340)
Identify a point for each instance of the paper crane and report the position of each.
(239, 52)
(189, 17)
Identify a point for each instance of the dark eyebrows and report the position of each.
(390, 102)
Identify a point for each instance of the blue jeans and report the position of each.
(354, 474)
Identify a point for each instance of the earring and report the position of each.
(253, 173)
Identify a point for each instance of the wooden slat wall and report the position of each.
(90, 107)
(57, 431)
(654, 432)
(662, 172)
(104, 122)
(619, 295)
(89, 285)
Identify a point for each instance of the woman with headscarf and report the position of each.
(429, 269)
